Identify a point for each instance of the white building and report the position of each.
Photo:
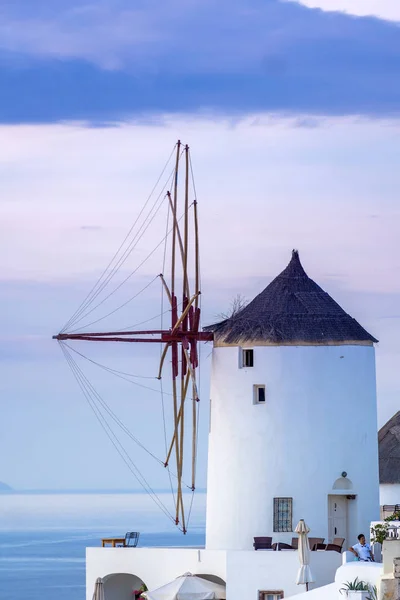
(293, 434)
(389, 465)
(293, 419)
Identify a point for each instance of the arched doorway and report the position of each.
(340, 514)
(120, 586)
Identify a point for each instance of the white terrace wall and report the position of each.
(153, 566)
(248, 572)
(369, 572)
(319, 419)
(245, 572)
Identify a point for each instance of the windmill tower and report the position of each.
(293, 419)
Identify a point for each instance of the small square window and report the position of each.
(248, 358)
(283, 514)
(270, 594)
(259, 394)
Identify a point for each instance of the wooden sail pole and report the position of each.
(166, 288)
(171, 447)
(179, 237)
(174, 345)
(196, 306)
(184, 330)
(183, 319)
(162, 359)
(186, 227)
(194, 438)
(185, 312)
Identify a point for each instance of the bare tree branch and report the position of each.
(238, 303)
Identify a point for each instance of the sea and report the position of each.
(43, 536)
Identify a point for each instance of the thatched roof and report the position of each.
(292, 308)
(389, 451)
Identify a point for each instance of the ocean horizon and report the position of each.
(44, 535)
(83, 491)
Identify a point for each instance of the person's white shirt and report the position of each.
(363, 551)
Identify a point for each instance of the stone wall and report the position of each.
(390, 582)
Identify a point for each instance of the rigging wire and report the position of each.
(125, 239)
(105, 366)
(82, 313)
(79, 317)
(131, 327)
(116, 443)
(119, 307)
(192, 175)
(161, 350)
(127, 252)
(106, 407)
(132, 273)
(119, 374)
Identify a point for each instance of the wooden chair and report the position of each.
(313, 542)
(262, 543)
(282, 546)
(131, 539)
(335, 546)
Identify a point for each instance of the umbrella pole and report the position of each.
(306, 587)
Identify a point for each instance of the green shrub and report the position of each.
(379, 532)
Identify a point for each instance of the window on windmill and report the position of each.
(283, 514)
(259, 394)
(248, 358)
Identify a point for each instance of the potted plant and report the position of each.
(356, 590)
(373, 593)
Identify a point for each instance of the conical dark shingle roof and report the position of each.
(292, 308)
(389, 451)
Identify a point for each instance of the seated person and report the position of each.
(362, 550)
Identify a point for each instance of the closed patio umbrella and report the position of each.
(98, 593)
(188, 587)
(304, 575)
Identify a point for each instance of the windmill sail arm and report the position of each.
(166, 336)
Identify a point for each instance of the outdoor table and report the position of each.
(113, 541)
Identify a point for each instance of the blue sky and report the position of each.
(292, 116)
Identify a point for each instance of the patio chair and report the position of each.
(282, 546)
(262, 543)
(335, 546)
(313, 542)
(131, 539)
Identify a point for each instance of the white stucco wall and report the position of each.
(328, 592)
(250, 571)
(369, 572)
(389, 493)
(154, 566)
(245, 572)
(319, 419)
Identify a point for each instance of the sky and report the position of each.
(291, 113)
